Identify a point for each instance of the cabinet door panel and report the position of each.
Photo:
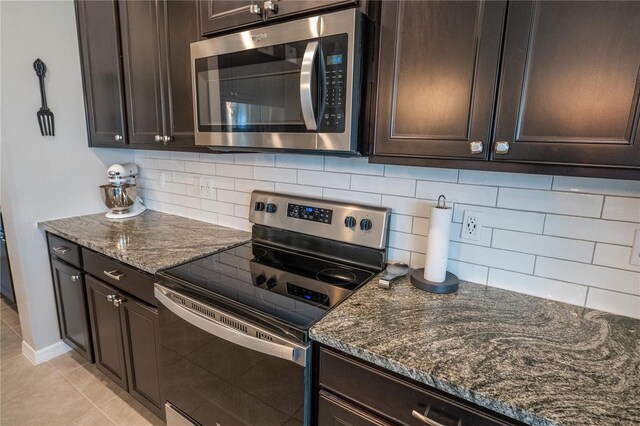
(570, 85)
(107, 331)
(437, 77)
(141, 61)
(288, 8)
(180, 29)
(140, 325)
(72, 307)
(222, 15)
(101, 72)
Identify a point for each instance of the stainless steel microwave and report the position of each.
(291, 86)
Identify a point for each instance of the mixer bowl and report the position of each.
(119, 198)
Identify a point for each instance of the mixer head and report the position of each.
(120, 174)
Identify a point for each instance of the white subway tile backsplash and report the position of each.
(533, 227)
(503, 259)
(247, 185)
(352, 196)
(405, 205)
(603, 231)
(469, 194)
(591, 275)
(551, 202)
(512, 180)
(625, 209)
(217, 207)
(540, 287)
(383, 185)
(359, 166)
(199, 167)
(235, 171)
(275, 175)
(422, 173)
(324, 179)
(503, 218)
(617, 303)
(255, 159)
(561, 248)
(305, 191)
(625, 188)
(614, 257)
(400, 223)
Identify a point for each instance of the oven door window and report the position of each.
(257, 90)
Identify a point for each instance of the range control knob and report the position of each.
(259, 206)
(350, 221)
(366, 224)
(271, 283)
(260, 279)
(271, 208)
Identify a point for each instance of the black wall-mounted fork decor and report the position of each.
(44, 115)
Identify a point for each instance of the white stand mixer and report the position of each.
(121, 195)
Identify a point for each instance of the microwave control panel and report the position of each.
(334, 51)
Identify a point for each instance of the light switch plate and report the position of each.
(635, 250)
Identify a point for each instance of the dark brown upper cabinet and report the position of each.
(570, 84)
(225, 15)
(156, 62)
(437, 77)
(99, 41)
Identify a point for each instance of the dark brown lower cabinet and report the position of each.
(68, 283)
(124, 336)
(336, 411)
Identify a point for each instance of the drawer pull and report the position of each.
(114, 274)
(427, 420)
(75, 278)
(61, 249)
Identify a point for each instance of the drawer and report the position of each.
(64, 250)
(119, 275)
(335, 411)
(399, 401)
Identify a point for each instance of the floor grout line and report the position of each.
(85, 396)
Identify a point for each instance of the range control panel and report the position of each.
(314, 214)
(350, 223)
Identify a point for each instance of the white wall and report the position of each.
(561, 238)
(43, 177)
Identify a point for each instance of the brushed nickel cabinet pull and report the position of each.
(476, 147)
(502, 147)
(114, 274)
(61, 249)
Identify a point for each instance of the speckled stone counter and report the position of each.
(535, 360)
(150, 242)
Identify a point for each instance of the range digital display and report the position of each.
(314, 214)
(334, 59)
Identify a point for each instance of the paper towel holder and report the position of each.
(451, 281)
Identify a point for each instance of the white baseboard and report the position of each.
(44, 354)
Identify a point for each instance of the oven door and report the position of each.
(217, 369)
(286, 86)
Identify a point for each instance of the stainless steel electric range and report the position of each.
(234, 325)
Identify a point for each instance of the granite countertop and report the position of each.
(534, 360)
(150, 242)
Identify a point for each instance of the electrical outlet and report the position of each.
(635, 250)
(471, 225)
(206, 187)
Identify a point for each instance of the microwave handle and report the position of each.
(306, 98)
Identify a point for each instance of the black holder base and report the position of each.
(449, 285)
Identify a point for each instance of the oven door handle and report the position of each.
(292, 352)
(306, 97)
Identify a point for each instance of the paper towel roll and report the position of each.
(435, 267)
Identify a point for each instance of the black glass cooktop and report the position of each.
(292, 287)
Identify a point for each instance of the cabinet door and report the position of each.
(142, 73)
(101, 72)
(71, 303)
(180, 28)
(140, 326)
(438, 63)
(569, 87)
(107, 331)
(335, 411)
(288, 8)
(223, 15)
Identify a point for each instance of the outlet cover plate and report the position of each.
(471, 225)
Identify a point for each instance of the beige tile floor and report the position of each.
(64, 391)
